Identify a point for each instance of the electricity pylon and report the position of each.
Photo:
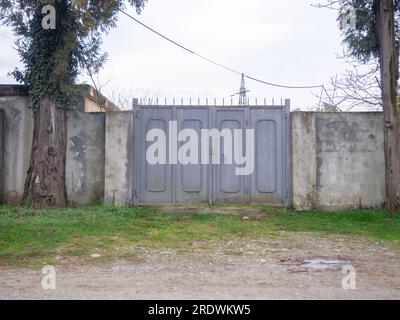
(242, 93)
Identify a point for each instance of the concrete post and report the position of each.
(304, 142)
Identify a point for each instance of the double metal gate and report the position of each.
(173, 182)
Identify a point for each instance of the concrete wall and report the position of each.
(17, 141)
(85, 157)
(338, 160)
(119, 158)
(85, 152)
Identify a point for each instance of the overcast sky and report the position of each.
(286, 42)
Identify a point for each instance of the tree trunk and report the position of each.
(389, 67)
(45, 181)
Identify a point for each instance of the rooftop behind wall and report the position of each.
(10, 90)
(91, 99)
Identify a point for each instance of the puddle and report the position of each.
(324, 264)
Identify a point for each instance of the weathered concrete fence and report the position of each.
(85, 149)
(337, 158)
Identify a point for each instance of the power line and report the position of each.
(283, 86)
(180, 46)
(216, 63)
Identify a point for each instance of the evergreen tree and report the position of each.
(375, 35)
(56, 40)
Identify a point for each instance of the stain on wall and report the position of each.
(85, 157)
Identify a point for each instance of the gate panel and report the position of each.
(213, 183)
(155, 181)
(267, 180)
(228, 187)
(192, 180)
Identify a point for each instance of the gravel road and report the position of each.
(267, 268)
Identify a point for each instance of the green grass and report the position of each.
(366, 223)
(29, 236)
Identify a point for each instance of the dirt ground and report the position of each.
(267, 268)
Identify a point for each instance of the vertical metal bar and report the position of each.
(210, 167)
(247, 185)
(174, 167)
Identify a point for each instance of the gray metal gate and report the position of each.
(269, 183)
